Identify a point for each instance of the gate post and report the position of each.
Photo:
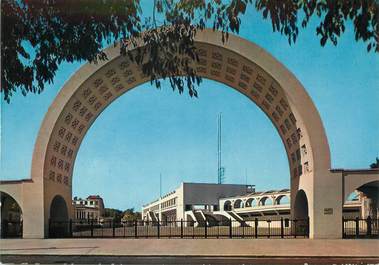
(181, 228)
(135, 228)
(70, 231)
(147, 229)
(256, 227)
(113, 228)
(91, 227)
(49, 228)
(193, 229)
(206, 229)
(281, 228)
(218, 229)
(159, 227)
(356, 226)
(369, 223)
(343, 228)
(230, 228)
(243, 229)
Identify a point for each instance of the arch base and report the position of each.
(324, 203)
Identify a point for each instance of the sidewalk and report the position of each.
(193, 247)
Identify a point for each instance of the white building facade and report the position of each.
(240, 203)
(188, 198)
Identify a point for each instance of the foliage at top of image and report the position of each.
(38, 35)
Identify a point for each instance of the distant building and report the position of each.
(91, 208)
(206, 202)
(189, 198)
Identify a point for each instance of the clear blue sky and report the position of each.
(147, 131)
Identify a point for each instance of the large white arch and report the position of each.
(239, 64)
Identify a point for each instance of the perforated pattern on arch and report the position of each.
(216, 63)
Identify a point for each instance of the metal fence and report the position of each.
(278, 228)
(360, 228)
(282, 228)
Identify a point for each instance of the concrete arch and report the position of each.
(7, 188)
(4, 196)
(278, 200)
(239, 64)
(354, 179)
(266, 200)
(371, 194)
(11, 216)
(301, 205)
(59, 209)
(237, 204)
(227, 206)
(373, 184)
(251, 202)
(58, 217)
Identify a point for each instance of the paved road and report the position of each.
(189, 251)
(47, 259)
(193, 247)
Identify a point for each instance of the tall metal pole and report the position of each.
(246, 176)
(160, 185)
(219, 170)
(221, 173)
(218, 149)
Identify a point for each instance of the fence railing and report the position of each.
(360, 228)
(280, 228)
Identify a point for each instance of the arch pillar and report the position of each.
(325, 204)
(29, 194)
(33, 201)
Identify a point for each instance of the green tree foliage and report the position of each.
(375, 164)
(115, 214)
(131, 215)
(38, 35)
(118, 215)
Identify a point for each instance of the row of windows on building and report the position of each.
(168, 203)
(88, 202)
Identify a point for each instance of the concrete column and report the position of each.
(326, 206)
(33, 210)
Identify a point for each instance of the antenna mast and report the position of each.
(220, 169)
(160, 185)
(246, 176)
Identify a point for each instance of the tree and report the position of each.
(131, 215)
(38, 35)
(115, 214)
(375, 164)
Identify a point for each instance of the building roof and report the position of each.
(357, 171)
(216, 184)
(94, 197)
